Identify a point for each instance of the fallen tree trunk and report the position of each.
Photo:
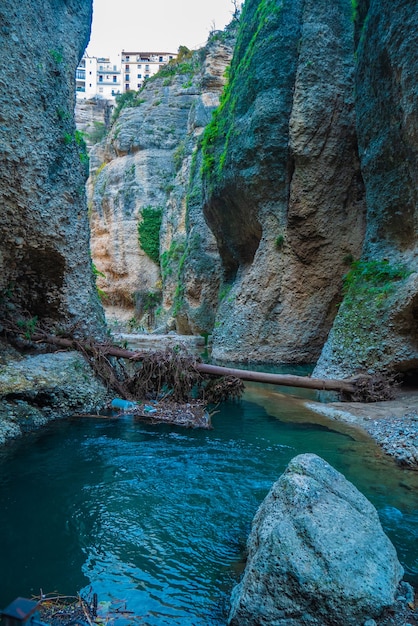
(288, 380)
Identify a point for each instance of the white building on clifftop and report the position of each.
(137, 67)
(99, 77)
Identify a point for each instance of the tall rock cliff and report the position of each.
(45, 267)
(284, 192)
(139, 177)
(288, 217)
(377, 324)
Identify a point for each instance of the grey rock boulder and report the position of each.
(318, 555)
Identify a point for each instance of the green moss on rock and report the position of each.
(149, 232)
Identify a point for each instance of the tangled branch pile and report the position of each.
(170, 374)
(60, 610)
(374, 388)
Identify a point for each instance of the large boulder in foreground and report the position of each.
(317, 554)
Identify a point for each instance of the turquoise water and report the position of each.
(157, 517)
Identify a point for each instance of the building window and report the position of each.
(100, 79)
(100, 89)
(115, 79)
(127, 87)
(139, 66)
(139, 85)
(170, 57)
(127, 58)
(139, 75)
(147, 68)
(126, 68)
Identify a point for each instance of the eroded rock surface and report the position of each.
(45, 268)
(317, 554)
(145, 162)
(40, 388)
(377, 331)
(285, 197)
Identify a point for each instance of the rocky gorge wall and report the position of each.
(142, 170)
(284, 192)
(45, 267)
(376, 326)
(289, 216)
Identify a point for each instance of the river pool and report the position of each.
(156, 517)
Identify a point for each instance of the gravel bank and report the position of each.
(392, 424)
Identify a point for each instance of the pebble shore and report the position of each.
(392, 424)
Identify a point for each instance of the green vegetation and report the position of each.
(172, 260)
(178, 155)
(28, 326)
(239, 87)
(98, 132)
(279, 242)
(367, 288)
(82, 148)
(372, 280)
(223, 292)
(187, 62)
(171, 257)
(97, 273)
(57, 56)
(354, 10)
(62, 114)
(77, 138)
(149, 232)
(151, 299)
(178, 298)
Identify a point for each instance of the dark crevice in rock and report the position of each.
(236, 228)
(40, 281)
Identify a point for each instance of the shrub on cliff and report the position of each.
(149, 232)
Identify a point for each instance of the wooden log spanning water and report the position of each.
(287, 380)
(345, 386)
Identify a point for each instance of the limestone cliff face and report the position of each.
(377, 324)
(145, 163)
(284, 192)
(45, 267)
(191, 264)
(307, 165)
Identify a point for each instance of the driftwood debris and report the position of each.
(346, 386)
(362, 388)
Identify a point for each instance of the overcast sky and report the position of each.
(160, 25)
